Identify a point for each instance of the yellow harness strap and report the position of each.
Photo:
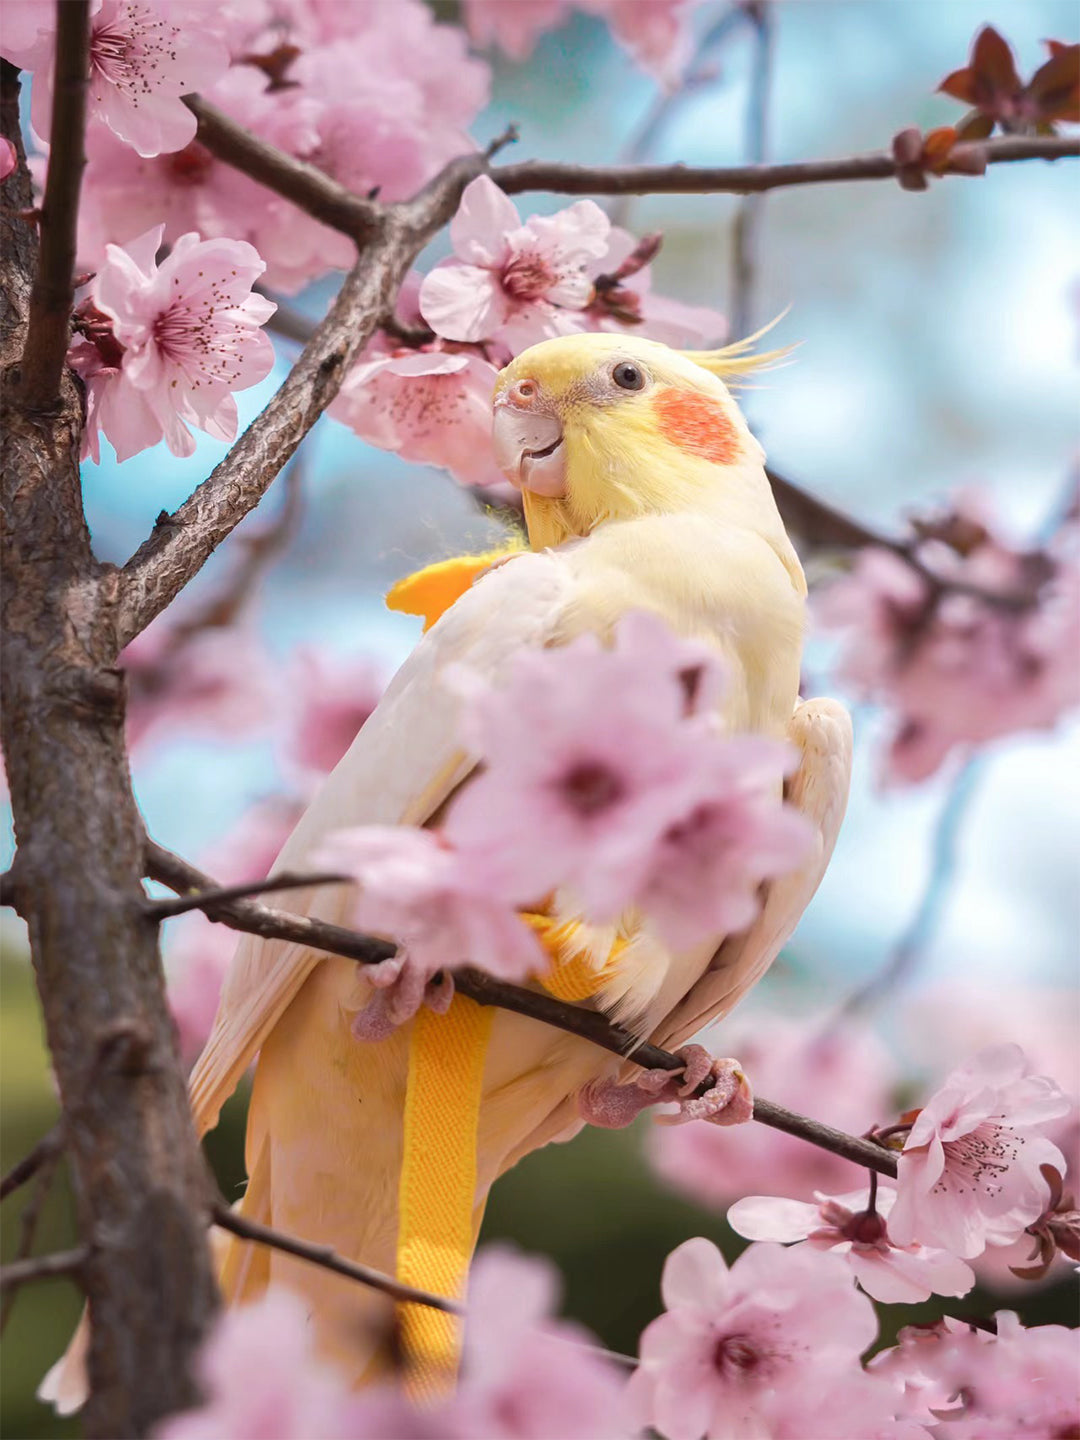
(437, 1209)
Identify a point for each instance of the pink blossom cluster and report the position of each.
(769, 1347)
(163, 347)
(656, 32)
(509, 284)
(189, 678)
(377, 95)
(604, 776)
(988, 649)
(525, 1374)
(977, 1169)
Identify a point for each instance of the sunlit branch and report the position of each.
(326, 1258)
(256, 919)
(49, 328)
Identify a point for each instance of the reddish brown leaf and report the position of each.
(993, 62)
(1053, 93)
(960, 85)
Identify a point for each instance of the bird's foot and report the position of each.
(402, 985)
(729, 1100)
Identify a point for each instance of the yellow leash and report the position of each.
(437, 1207)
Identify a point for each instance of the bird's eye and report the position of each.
(627, 376)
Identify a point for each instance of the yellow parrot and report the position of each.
(643, 490)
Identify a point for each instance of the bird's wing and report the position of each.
(402, 766)
(821, 731)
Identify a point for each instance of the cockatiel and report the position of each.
(643, 490)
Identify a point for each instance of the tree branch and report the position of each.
(43, 1267)
(589, 1025)
(49, 330)
(306, 185)
(28, 1220)
(563, 179)
(327, 1258)
(211, 900)
(50, 1145)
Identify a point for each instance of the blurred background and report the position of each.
(937, 337)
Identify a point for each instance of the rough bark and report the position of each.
(139, 1179)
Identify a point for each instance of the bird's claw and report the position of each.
(401, 986)
(728, 1101)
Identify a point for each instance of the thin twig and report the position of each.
(28, 1223)
(50, 1144)
(256, 919)
(327, 1258)
(210, 900)
(562, 179)
(697, 75)
(43, 1267)
(917, 934)
(49, 330)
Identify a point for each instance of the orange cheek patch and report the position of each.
(698, 425)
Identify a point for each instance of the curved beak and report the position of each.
(529, 449)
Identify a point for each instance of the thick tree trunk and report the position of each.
(139, 1178)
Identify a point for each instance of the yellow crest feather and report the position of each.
(737, 359)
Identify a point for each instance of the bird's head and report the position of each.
(602, 427)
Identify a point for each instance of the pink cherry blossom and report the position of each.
(955, 668)
(430, 405)
(124, 194)
(654, 31)
(597, 777)
(378, 95)
(732, 1340)
(707, 868)
(197, 957)
(513, 282)
(143, 57)
(1022, 1384)
(527, 1376)
(331, 698)
(189, 334)
(851, 1405)
(216, 681)
(438, 905)
(894, 1274)
(843, 1077)
(969, 1172)
(263, 1382)
(247, 851)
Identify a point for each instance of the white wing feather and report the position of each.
(403, 764)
